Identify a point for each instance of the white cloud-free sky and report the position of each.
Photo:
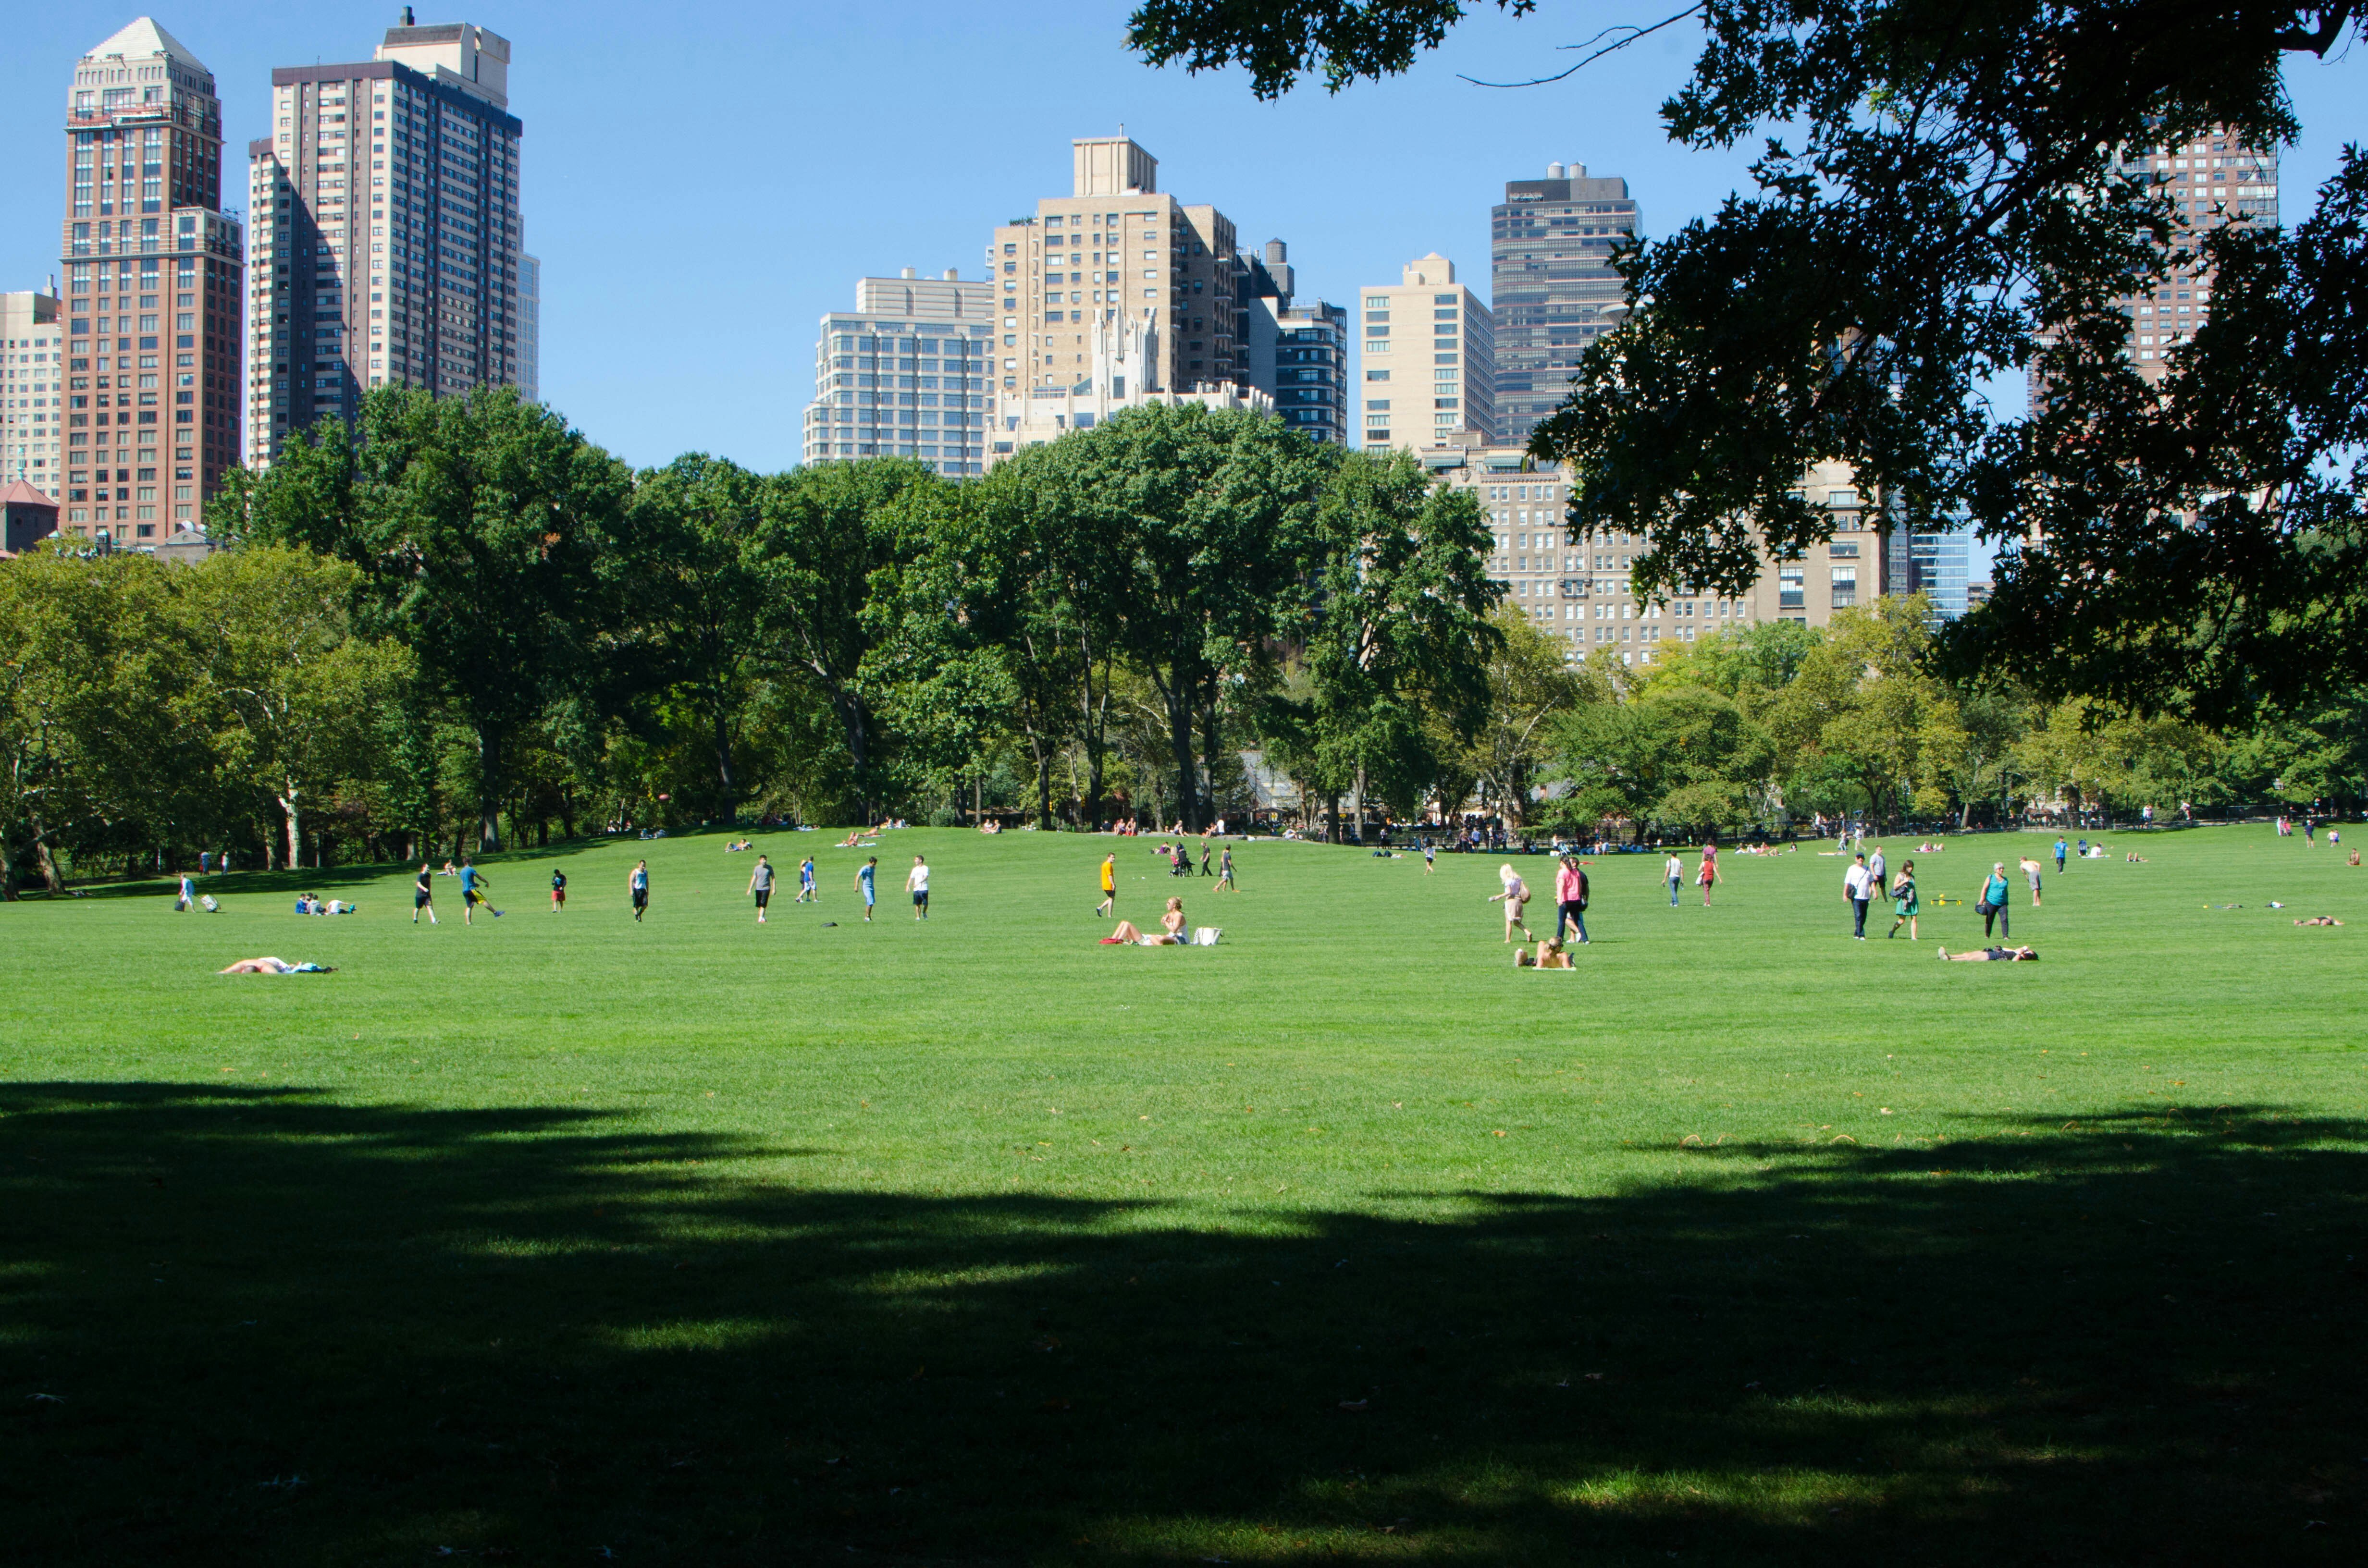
(702, 182)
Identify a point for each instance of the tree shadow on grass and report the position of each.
(244, 1325)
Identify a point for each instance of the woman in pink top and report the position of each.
(1709, 873)
(1570, 898)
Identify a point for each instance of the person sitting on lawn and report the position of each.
(275, 966)
(1169, 935)
(1992, 955)
(1551, 955)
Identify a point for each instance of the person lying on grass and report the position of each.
(1991, 955)
(1170, 934)
(275, 966)
(1551, 955)
(2320, 920)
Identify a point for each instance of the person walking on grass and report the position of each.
(1994, 904)
(1858, 885)
(2059, 854)
(1903, 903)
(1708, 875)
(1570, 898)
(1225, 872)
(807, 892)
(422, 894)
(2031, 877)
(1515, 897)
(185, 896)
(1430, 855)
(1108, 905)
(760, 886)
(866, 876)
(638, 885)
(917, 882)
(1205, 858)
(1878, 871)
(1673, 872)
(558, 892)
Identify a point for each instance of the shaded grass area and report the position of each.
(923, 1250)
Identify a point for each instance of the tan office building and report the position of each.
(1429, 363)
(387, 230)
(154, 275)
(32, 377)
(1579, 593)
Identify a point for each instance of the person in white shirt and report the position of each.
(917, 882)
(1877, 869)
(1858, 885)
(1673, 872)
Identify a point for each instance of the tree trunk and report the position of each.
(1331, 817)
(1209, 733)
(726, 780)
(489, 788)
(291, 804)
(1360, 802)
(49, 865)
(1179, 736)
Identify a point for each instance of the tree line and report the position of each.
(462, 624)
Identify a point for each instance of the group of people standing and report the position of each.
(1865, 882)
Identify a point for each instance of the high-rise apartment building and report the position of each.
(1550, 243)
(1112, 249)
(906, 373)
(32, 377)
(386, 205)
(2214, 181)
(153, 272)
(530, 316)
(1296, 354)
(1430, 361)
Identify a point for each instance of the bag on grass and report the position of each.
(1206, 935)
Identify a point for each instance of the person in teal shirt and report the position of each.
(1993, 902)
(2059, 857)
(864, 884)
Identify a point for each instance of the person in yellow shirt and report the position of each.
(1110, 885)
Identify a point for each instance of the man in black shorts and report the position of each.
(423, 895)
(760, 883)
(640, 884)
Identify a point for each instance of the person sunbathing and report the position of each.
(275, 966)
(1169, 935)
(1551, 955)
(1992, 955)
(2320, 920)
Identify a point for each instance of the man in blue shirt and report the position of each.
(2059, 857)
(473, 885)
(864, 884)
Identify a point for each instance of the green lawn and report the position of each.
(559, 1239)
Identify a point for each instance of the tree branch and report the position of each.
(1634, 34)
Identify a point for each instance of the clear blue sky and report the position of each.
(701, 182)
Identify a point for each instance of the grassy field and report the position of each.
(559, 1239)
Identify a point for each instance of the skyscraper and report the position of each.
(32, 374)
(386, 203)
(1430, 360)
(1550, 244)
(905, 374)
(144, 222)
(2214, 181)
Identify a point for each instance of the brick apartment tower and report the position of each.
(387, 231)
(153, 279)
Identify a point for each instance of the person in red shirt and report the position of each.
(1709, 873)
(1570, 898)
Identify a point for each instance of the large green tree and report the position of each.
(1947, 192)
(1214, 510)
(835, 541)
(1399, 628)
(478, 524)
